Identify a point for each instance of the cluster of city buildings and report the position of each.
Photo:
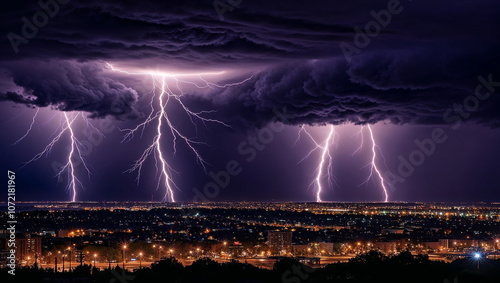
(245, 230)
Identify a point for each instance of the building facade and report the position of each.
(27, 246)
(280, 242)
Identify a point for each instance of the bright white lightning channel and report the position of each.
(74, 151)
(373, 162)
(69, 165)
(324, 147)
(374, 165)
(166, 95)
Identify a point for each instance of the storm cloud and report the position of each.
(426, 60)
(71, 86)
(373, 88)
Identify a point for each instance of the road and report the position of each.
(259, 262)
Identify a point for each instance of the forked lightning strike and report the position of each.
(325, 154)
(360, 147)
(165, 95)
(373, 163)
(29, 129)
(75, 150)
(69, 165)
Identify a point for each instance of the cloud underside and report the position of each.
(412, 72)
(335, 92)
(71, 86)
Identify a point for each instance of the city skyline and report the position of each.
(260, 233)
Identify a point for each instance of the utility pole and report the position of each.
(69, 259)
(81, 257)
(124, 247)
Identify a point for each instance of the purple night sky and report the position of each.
(428, 75)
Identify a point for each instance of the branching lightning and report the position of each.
(69, 165)
(326, 156)
(167, 88)
(324, 147)
(374, 165)
(29, 129)
(165, 95)
(373, 162)
(74, 151)
(360, 147)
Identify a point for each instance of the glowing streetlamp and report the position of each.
(63, 256)
(95, 255)
(477, 257)
(69, 248)
(140, 260)
(124, 248)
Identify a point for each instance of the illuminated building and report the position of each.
(280, 242)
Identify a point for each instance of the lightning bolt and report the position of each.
(29, 129)
(155, 146)
(324, 147)
(326, 156)
(74, 151)
(69, 165)
(373, 164)
(360, 147)
(165, 95)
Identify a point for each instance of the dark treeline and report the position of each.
(369, 267)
